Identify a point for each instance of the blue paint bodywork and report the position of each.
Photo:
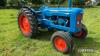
(59, 12)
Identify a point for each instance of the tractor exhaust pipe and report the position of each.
(69, 3)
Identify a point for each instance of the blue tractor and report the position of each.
(66, 20)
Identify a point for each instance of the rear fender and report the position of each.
(30, 9)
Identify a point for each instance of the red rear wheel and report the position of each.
(27, 23)
(24, 24)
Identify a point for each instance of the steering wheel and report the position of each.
(54, 1)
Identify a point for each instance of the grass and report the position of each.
(13, 43)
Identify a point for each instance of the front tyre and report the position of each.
(62, 42)
(81, 34)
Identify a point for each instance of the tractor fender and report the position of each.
(30, 9)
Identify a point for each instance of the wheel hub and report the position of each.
(60, 43)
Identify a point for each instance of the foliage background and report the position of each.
(13, 43)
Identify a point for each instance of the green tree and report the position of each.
(3, 3)
(78, 3)
(13, 2)
(36, 1)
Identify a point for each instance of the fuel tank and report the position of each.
(61, 11)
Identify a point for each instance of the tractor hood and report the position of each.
(61, 11)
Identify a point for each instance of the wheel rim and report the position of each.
(24, 24)
(78, 34)
(60, 44)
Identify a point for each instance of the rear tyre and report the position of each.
(27, 23)
(62, 42)
(82, 34)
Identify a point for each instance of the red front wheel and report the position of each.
(81, 34)
(62, 42)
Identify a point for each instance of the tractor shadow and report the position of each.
(44, 35)
(89, 43)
